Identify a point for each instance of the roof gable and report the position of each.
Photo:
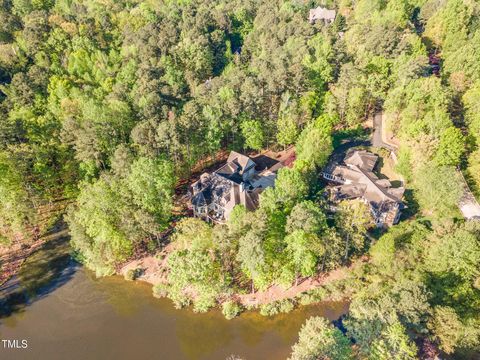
(241, 160)
(363, 159)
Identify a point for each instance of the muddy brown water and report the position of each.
(64, 312)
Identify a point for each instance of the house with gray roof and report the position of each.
(356, 179)
(238, 182)
(321, 14)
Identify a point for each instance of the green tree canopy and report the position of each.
(253, 133)
(318, 339)
(451, 147)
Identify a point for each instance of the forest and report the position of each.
(105, 106)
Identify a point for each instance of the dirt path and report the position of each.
(277, 292)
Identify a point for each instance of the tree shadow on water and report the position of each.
(44, 271)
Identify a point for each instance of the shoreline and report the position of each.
(12, 261)
(154, 271)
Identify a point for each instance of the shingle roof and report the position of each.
(361, 181)
(226, 187)
(363, 159)
(241, 160)
(213, 188)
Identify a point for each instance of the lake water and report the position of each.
(64, 312)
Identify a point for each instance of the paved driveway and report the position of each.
(377, 138)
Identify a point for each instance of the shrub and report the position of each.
(151, 245)
(276, 307)
(231, 309)
(160, 290)
(287, 305)
(251, 307)
(313, 296)
(179, 298)
(319, 339)
(160, 256)
(133, 274)
(337, 290)
(4, 240)
(204, 302)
